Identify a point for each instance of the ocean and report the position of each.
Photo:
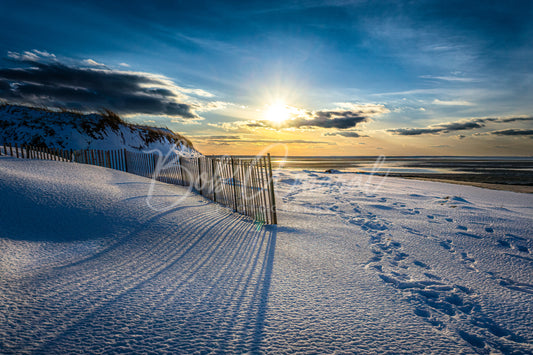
(501, 170)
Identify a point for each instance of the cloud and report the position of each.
(302, 119)
(286, 141)
(513, 132)
(414, 131)
(239, 139)
(31, 56)
(212, 106)
(515, 119)
(348, 134)
(41, 79)
(216, 138)
(462, 125)
(452, 103)
(93, 63)
(328, 119)
(321, 119)
(448, 78)
(197, 92)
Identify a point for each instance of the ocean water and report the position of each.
(410, 165)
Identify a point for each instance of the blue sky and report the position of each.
(346, 77)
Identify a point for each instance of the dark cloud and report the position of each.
(320, 119)
(329, 119)
(54, 84)
(513, 132)
(448, 127)
(513, 119)
(348, 134)
(414, 131)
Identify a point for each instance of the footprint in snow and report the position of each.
(469, 261)
(447, 244)
(468, 235)
(522, 248)
(516, 286)
(471, 339)
(514, 237)
(432, 276)
(459, 199)
(382, 207)
(504, 243)
(421, 264)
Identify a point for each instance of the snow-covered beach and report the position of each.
(357, 264)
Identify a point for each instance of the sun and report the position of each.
(277, 112)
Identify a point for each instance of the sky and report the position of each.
(333, 77)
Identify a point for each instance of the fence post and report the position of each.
(233, 183)
(243, 186)
(272, 197)
(181, 170)
(17, 149)
(199, 176)
(213, 180)
(124, 154)
(11, 149)
(155, 165)
(108, 159)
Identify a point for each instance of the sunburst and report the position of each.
(277, 112)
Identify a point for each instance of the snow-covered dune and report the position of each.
(357, 264)
(72, 130)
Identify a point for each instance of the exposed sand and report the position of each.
(505, 187)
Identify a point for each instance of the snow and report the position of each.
(69, 130)
(357, 264)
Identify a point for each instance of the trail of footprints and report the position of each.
(444, 305)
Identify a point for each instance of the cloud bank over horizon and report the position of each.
(462, 125)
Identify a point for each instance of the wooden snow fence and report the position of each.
(245, 185)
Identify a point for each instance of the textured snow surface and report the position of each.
(65, 130)
(357, 264)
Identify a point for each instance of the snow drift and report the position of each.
(73, 130)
